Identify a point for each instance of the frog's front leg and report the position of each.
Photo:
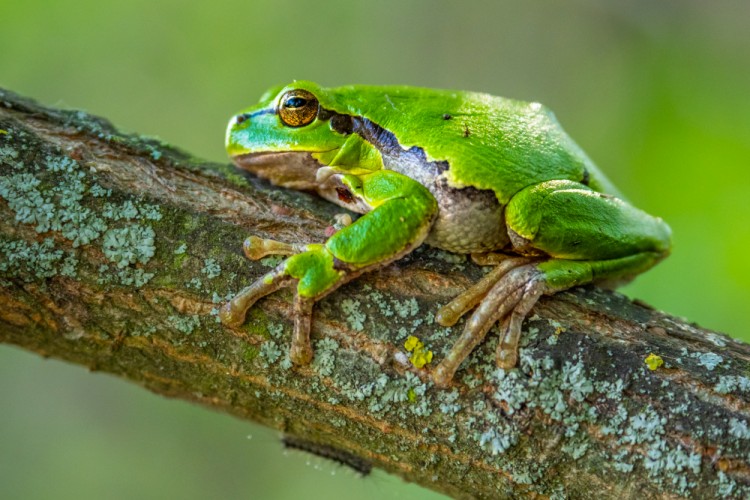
(572, 235)
(402, 212)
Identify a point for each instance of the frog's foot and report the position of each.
(450, 313)
(510, 299)
(233, 312)
(311, 274)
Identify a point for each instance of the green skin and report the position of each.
(466, 172)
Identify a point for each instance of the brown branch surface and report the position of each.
(115, 252)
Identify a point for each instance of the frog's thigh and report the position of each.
(577, 226)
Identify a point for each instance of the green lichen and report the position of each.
(56, 208)
(406, 308)
(153, 152)
(150, 212)
(709, 360)
(133, 277)
(275, 330)
(23, 197)
(57, 194)
(325, 356)
(69, 266)
(119, 211)
(32, 261)
(184, 323)
(664, 463)
(194, 283)
(211, 268)
(98, 191)
(732, 383)
(269, 353)
(738, 428)
(128, 245)
(576, 448)
(272, 260)
(448, 402)
(355, 318)
(127, 276)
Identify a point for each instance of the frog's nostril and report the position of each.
(241, 118)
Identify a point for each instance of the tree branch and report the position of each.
(116, 251)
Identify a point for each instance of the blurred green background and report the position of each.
(655, 92)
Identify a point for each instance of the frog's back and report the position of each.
(488, 142)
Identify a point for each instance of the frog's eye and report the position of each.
(297, 108)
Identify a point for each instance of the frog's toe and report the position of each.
(301, 351)
(441, 376)
(233, 312)
(507, 348)
(506, 355)
(256, 248)
(231, 316)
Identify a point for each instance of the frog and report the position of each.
(470, 173)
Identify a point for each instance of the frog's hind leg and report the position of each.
(510, 298)
(576, 236)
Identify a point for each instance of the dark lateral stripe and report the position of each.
(384, 140)
(387, 143)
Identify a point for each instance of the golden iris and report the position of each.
(298, 108)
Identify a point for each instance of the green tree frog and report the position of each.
(465, 172)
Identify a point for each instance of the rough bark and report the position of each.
(115, 252)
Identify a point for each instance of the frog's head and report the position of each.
(285, 135)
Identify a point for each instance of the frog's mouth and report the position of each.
(300, 171)
(289, 169)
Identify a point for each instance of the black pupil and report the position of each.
(295, 102)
